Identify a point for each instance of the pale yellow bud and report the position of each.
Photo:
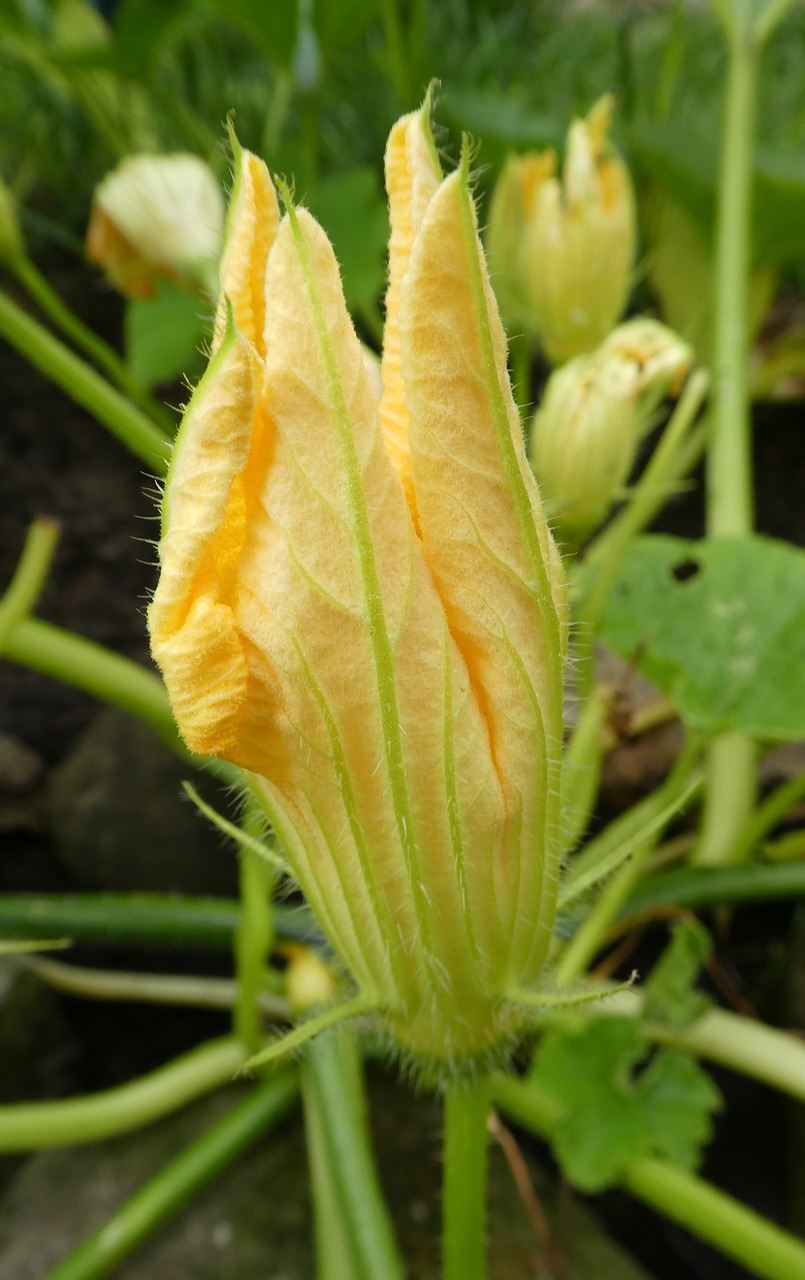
(310, 982)
(505, 230)
(585, 433)
(156, 216)
(660, 359)
(579, 241)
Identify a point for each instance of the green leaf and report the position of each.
(682, 157)
(669, 995)
(610, 1115)
(353, 212)
(493, 114)
(163, 335)
(141, 28)
(683, 160)
(271, 25)
(719, 626)
(778, 208)
(678, 1099)
(338, 22)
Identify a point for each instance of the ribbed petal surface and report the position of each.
(486, 538)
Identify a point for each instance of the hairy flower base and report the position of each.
(438, 1047)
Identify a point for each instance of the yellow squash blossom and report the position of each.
(156, 216)
(361, 603)
(561, 250)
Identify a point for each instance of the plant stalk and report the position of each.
(340, 1140)
(142, 919)
(731, 780)
(464, 1194)
(63, 317)
(607, 555)
(739, 1232)
(255, 935)
(29, 1126)
(182, 1179)
(62, 366)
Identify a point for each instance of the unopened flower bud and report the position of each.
(156, 216)
(310, 982)
(585, 434)
(505, 230)
(579, 241)
(660, 359)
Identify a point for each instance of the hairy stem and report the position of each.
(464, 1194)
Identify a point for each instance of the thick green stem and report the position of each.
(607, 555)
(255, 934)
(142, 919)
(765, 1249)
(335, 1114)
(84, 385)
(731, 781)
(89, 666)
(736, 1230)
(770, 16)
(464, 1195)
(149, 988)
(688, 457)
(30, 575)
(185, 1176)
(775, 1057)
(702, 887)
(58, 312)
(27, 1126)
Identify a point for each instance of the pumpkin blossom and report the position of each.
(156, 216)
(561, 247)
(360, 603)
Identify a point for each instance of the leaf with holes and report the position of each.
(719, 626)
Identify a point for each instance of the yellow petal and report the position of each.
(337, 590)
(485, 536)
(251, 226)
(412, 176)
(193, 634)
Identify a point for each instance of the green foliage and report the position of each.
(611, 1112)
(164, 335)
(719, 626)
(670, 997)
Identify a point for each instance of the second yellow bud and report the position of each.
(561, 249)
